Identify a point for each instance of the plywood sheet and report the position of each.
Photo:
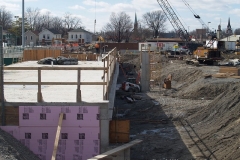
(119, 131)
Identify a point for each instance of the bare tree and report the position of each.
(120, 27)
(143, 32)
(32, 15)
(237, 31)
(5, 18)
(71, 22)
(47, 19)
(156, 21)
(57, 23)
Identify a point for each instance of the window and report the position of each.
(44, 36)
(76, 36)
(48, 37)
(80, 36)
(72, 36)
(31, 38)
(26, 37)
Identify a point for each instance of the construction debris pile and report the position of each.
(197, 118)
(60, 60)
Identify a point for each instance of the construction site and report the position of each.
(139, 103)
(94, 110)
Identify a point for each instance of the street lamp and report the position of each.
(208, 27)
(202, 32)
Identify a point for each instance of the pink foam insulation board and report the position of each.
(48, 116)
(13, 130)
(79, 137)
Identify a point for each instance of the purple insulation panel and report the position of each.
(48, 116)
(13, 130)
(79, 137)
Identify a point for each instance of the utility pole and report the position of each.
(23, 37)
(1, 78)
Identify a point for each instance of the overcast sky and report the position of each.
(214, 11)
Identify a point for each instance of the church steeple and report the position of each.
(135, 22)
(229, 28)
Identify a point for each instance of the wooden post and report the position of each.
(39, 94)
(108, 70)
(79, 96)
(104, 79)
(57, 137)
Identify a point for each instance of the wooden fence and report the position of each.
(37, 54)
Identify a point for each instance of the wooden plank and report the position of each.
(55, 68)
(55, 83)
(57, 137)
(119, 131)
(116, 150)
(11, 115)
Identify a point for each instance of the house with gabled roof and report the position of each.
(31, 38)
(79, 36)
(46, 36)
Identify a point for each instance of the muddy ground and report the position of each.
(198, 118)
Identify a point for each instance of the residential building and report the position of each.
(47, 36)
(31, 38)
(80, 36)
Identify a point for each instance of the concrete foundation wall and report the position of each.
(79, 137)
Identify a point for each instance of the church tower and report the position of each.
(135, 24)
(135, 34)
(229, 28)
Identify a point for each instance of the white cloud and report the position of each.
(76, 7)
(44, 11)
(95, 3)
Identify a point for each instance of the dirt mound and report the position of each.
(12, 149)
(219, 124)
(204, 89)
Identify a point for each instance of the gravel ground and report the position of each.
(12, 149)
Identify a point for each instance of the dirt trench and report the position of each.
(197, 119)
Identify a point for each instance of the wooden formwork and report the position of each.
(11, 116)
(119, 131)
(233, 70)
(35, 55)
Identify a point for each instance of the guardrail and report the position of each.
(109, 62)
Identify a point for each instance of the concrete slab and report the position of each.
(54, 93)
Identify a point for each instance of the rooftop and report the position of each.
(53, 93)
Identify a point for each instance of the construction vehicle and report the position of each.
(202, 54)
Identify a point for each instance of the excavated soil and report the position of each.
(198, 118)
